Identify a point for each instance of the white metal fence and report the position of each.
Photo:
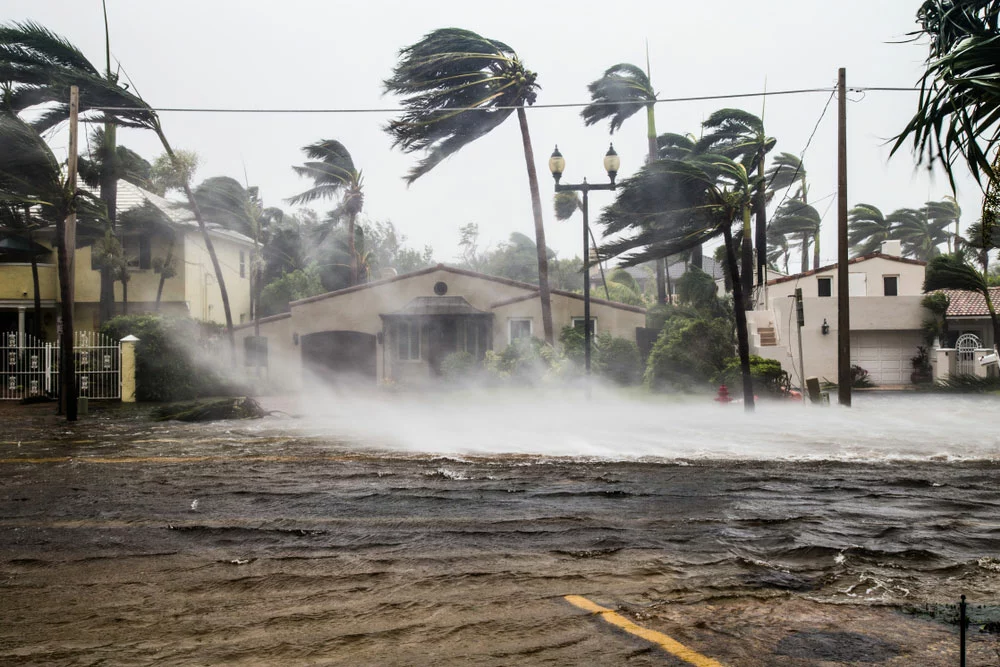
(29, 366)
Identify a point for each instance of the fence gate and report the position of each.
(30, 366)
(965, 352)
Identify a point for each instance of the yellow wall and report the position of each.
(200, 286)
(16, 282)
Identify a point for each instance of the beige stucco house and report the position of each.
(886, 290)
(192, 291)
(401, 328)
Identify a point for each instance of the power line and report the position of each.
(566, 105)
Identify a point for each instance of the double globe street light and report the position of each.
(557, 164)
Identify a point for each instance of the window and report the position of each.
(520, 328)
(243, 264)
(578, 324)
(825, 286)
(408, 341)
(474, 339)
(890, 285)
(138, 253)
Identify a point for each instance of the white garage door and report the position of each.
(885, 354)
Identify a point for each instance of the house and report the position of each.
(970, 337)
(401, 328)
(885, 291)
(645, 275)
(165, 230)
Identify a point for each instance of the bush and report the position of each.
(689, 353)
(167, 364)
(860, 378)
(768, 377)
(618, 359)
(525, 361)
(458, 365)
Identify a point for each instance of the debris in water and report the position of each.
(211, 410)
(194, 505)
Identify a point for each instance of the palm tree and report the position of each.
(959, 105)
(669, 206)
(952, 272)
(867, 229)
(920, 235)
(946, 211)
(39, 68)
(670, 145)
(333, 173)
(739, 135)
(16, 220)
(458, 86)
(617, 95)
(787, 170)
(799, 220)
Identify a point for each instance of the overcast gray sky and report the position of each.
(299, 54)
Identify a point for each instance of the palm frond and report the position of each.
(617, 95)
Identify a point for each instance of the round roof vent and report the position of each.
(440, 288)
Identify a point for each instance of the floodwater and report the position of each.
(446, 528)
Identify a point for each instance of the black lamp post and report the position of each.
(557, 164)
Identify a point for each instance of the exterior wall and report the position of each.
(616, 321)
(201, 291)
(16, 283)
(284, 355)
(911, 280)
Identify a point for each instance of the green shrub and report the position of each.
(618, 359)
(689, 353)
(166, 368)
(458, 365)
(525, 361)
(768, 377)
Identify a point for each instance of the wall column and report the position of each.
(20, 326)
(128, 368)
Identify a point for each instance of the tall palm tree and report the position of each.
(621, 91)
(672, 146)
(799, 220)
(739, 135)
(671, 205)
(867, 229)
(920, 235)
(39, 68)
(946, 211)
(958, 111)
(458, 86)
(333, 173)
(786, 171)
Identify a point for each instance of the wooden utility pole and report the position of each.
(843, 284)
(67, 250)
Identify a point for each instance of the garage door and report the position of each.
(340, 356)
(885, 354)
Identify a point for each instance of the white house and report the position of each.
(886, 291)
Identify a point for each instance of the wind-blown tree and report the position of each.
(778, 247)
(786, 171)
(16, 220)
(953, 272)
(948, 212)
(981, 242)
(739, 135)
(867, 228)
(568, 203)
(39, 68)
(333, 173)
(669, 206)
(958, 111)
(920, 236)
(799, 220)
(457, 86)
(672, 146)
(621, 91)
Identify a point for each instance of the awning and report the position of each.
(437, 306)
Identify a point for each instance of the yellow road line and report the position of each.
(668, 644)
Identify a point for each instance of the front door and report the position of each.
(442, 341)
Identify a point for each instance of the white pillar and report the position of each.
(127, 368)
(20, 326)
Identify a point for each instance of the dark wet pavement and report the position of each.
(128, 542)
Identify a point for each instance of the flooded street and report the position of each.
(314, 541)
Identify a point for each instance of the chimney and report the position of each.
(892, 248)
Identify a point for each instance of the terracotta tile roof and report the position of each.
(860, 258)
(969, 304)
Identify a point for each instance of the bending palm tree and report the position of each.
(739, 135)
(672, 205)
(946, 211)
(920, 235)
(785, 171)
(799, 220)
(458, 86)
(867, 229)
(951, 272)
(333, 173)
(616, 96)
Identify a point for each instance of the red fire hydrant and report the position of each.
(723, 396)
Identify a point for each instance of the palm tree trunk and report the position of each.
(163, 271)
(816, 249)
(36, 326)
(536, 210)
(697, 253)
(805, 252)
(653, 154)
(666, 275)
(742, 334)
(747, 268)
(109, 195)
(208, 244)
(350, 248)
(124, 295)
(760, 236)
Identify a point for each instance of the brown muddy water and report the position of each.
(315, 541)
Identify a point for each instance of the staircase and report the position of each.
(767, 336)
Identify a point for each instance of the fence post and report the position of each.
(128, 368)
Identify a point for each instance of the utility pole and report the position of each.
(843, 285)
(67, 241)
(800, 320)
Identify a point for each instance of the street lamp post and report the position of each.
(557, 164)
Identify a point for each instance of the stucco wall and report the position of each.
(16, 282)
(201, 289)
(616, 321)
(911, 279)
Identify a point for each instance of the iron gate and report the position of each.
(965, 351)
(30, 366)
